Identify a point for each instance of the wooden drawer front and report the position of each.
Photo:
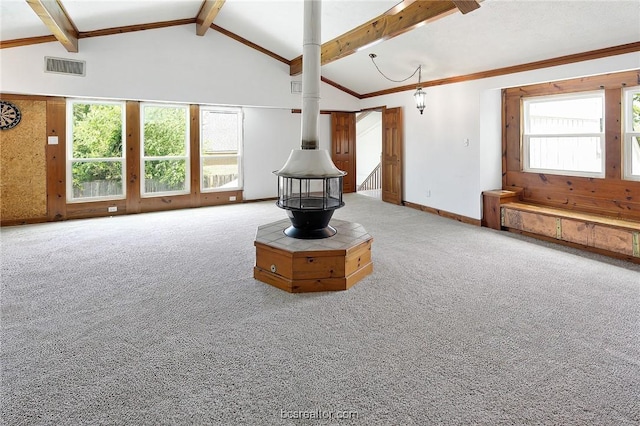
(310, 267)
(617, 240)
(598, 236)
(530, 222)
(578, 232)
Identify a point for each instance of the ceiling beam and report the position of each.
(247, 43)
(208, 13)
(381, 28)
(466, 6)
(136, 27)
(56, 19)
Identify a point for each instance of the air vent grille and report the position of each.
(64, 66)
(296, 87)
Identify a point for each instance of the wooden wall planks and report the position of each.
(56, 160)
(609, 196)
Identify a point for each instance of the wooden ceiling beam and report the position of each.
(207, 14)
(56, 19)
(383, 27)
(466, 6)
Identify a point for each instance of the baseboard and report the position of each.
(257, 200)
(15, 222)
(443, 213)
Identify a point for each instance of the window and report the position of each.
(95, 158)
(220, 149)
(165, 149)
(632, 133)
(564, 134)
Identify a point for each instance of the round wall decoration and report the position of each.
(9, 115)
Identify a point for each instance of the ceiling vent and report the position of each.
(64, 66)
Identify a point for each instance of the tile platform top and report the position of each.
(348, 235)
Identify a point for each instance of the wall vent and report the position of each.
(296, 87)
(64, 66)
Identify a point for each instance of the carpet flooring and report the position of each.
(156, 319)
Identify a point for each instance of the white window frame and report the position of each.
(239, 153)
(186, 157)
(69, 150)
(628, 133)
(526, 136)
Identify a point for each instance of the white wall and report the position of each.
(168, 64)
(269, 137)
(436, 160)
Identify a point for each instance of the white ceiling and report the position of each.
(500, 33)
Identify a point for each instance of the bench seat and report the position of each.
(607, 235)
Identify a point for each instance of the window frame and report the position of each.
(239, 153)
(70, 160)
(186, 157)
(525, 136)
(627, 132)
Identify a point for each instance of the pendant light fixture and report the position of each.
(419, 96)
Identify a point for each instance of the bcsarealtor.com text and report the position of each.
(319, 414)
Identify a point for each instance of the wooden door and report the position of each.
(343, 147)
(392, 155)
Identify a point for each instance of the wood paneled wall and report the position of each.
(609, 196)
(34, 172)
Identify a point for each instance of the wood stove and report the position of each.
(310, 203)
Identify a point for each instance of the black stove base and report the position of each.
(310, 234)
(309, 225)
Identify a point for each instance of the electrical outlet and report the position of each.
(232, 198)
(112, 209)
(466, 142)
(428, 193)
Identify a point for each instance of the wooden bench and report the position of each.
(602, 234)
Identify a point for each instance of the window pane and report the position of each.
(97, 179)
(164, 175)
(220, 172)
(566, 153)
(165, 130)
(565, 116)
(97, 130)
(219, 132)
(635, 155)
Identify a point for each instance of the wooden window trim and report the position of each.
(628, 132)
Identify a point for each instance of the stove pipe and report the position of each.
(309, 184)
(311, 73)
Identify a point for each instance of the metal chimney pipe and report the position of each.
(311, 73)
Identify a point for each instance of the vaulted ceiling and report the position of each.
(447, 43)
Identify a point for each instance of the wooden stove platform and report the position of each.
(298, 266)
